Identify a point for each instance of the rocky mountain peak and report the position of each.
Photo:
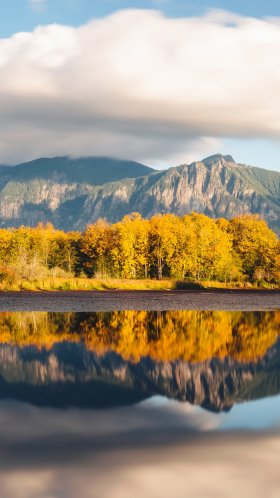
(218, 157)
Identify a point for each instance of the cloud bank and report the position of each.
(137, 84)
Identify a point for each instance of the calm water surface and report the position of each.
(139, 403)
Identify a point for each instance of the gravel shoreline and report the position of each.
(79, 301)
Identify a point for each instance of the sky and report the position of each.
(164, 82)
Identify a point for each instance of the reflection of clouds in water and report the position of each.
(211, 468)
(28, 484)
(22, 422)
(153, 449)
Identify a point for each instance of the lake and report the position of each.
(137, 403)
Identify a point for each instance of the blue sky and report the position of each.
(18, 15)
(256, 144)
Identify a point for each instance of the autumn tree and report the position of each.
(162, 242)
(130, 251)
(211, 251)
(96, 243)
(256, 245)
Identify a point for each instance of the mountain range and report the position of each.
(72, 193)
(70, 375)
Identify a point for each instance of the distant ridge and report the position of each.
(92, 170)
(72, 193)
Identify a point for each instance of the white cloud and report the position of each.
(137, 84)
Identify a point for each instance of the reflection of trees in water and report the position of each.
(189, 335)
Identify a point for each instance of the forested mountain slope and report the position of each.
(72, 193)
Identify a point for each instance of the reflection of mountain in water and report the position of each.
(69, 375)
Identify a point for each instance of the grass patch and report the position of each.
(84, 284)
(99, 284)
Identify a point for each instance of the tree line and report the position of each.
(193, 247)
